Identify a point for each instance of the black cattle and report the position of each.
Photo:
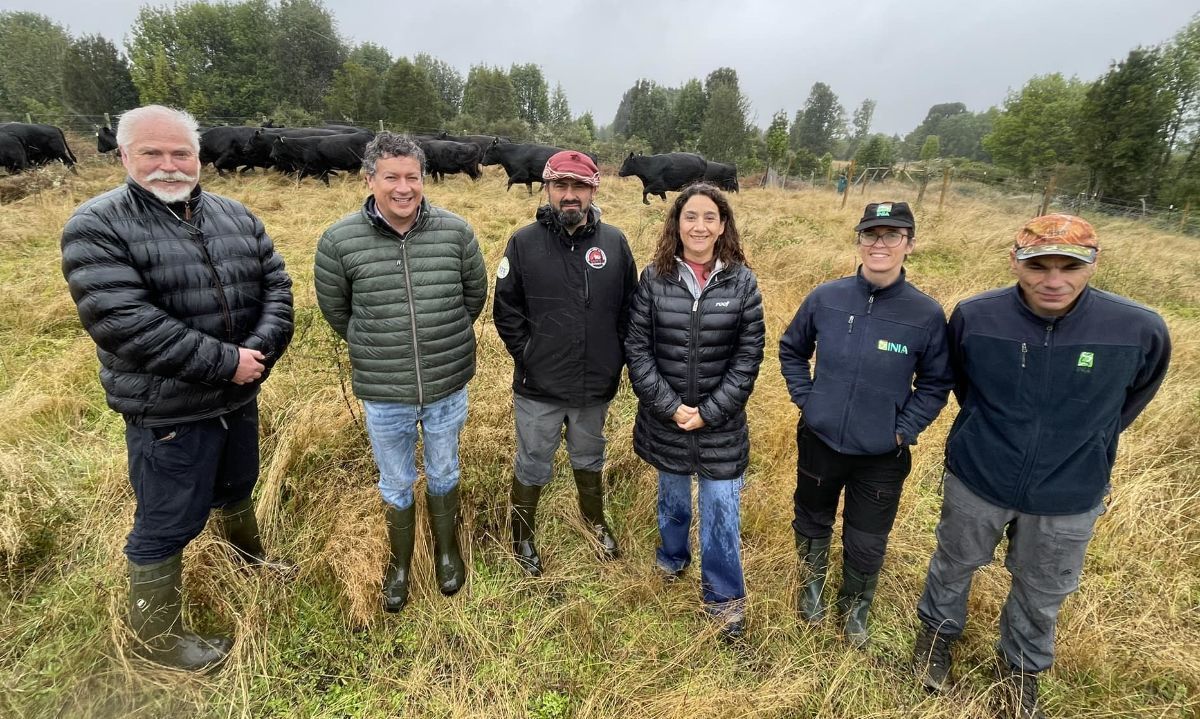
(43, 143)
(257, 149)
(659, 174)
(348, 128)
(106, 139)
(223, 148)
(320, 156)
(523, 163)
(722, 175)
(446, 157)
(12, 154)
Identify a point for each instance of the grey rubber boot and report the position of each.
(523, 519)
(591, 505)
(155, 606)
(402, 530)
(447, 560)
(814, 569)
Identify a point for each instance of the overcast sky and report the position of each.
(906, 55)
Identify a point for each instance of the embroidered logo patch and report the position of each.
(884, 210)
(595, 257)
(502, 269)
(1085, 359)
(885, 346)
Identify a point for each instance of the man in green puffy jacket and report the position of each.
(402, 282)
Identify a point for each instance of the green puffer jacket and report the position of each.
(405, 305)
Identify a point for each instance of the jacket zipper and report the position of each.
(1031, 458)
(1024, 351)
(857, 367)
(412, 317)
(212, 270)
(693, 391)
(850, 325)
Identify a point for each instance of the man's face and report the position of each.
(398, 187)
(1050, 284)
(570, 199)
(162, 158)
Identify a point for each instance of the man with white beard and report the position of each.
(190, 307)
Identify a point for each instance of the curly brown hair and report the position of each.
(729, 245)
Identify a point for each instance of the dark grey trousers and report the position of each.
(1045, 558)
(540, 430)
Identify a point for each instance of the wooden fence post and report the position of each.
(945, 187)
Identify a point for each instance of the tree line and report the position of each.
(1132, 133)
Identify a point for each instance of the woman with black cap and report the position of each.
(881, 377)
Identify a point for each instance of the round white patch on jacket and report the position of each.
(502, 269)
(596, 257)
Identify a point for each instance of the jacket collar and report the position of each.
(869, 288)
(187, 208)
(1085, 299)
(371, 213)
(546, 216)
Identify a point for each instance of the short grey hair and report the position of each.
(391, 144)
(129, 121)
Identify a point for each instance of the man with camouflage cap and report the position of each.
(1048, 373)
(562, 295)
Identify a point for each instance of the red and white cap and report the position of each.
(573, 164)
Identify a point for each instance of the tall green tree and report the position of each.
(1181, 63)
(724, 135)
(646, 112)
(932, 149)
(307, 52)
(489, 96)
(31, 63)
(410, 100)
(533, 99)
(446, 80)
(374, 57)
(931, 125)
(819, 123)
(863, 117)
(356, 94)
(691, 103)
(1036, 129)
(1123, 126)
(96, 78)
(560, 108)
(875, 151)
(777, 142)
(721, 76)
(962, 135)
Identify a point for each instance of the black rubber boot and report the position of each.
(814, 568)
(402, 530)
(155, 604)
(591, 506)
(447, 561)
(854, 604)
(238, 524)
(523, 519)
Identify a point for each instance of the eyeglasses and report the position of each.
(890, 239)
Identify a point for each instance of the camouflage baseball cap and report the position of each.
(1065, 235)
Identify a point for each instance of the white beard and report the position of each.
(171, 196)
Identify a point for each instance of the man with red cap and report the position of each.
(562, 293)
(1048, 373)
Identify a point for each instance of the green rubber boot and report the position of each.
(591, 505)
(814, 568)
(155, 605)
(402, 530)
(447, 561)
(238, 524)
(854, 604)
(523, 518)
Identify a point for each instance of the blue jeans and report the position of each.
(392, 427)
(721, 581)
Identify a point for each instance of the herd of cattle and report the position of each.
(323, 151)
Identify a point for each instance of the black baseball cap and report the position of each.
(887, 214)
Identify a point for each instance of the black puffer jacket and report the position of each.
(168, 300)
(701, 352)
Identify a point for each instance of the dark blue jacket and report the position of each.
(871, 343)
(1043, 400)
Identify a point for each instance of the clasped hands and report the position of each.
(688, 418)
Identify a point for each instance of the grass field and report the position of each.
(585, 640)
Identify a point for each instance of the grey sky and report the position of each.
(906, 55)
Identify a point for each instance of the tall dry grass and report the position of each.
(585, 640)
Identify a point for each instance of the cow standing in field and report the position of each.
(320, 156)
(43, 144)
(722, 175)
(223, 148)
(106, 140)
(12, 154)
(660, 174)
(447, 157)
(258, 146)
(523, 162)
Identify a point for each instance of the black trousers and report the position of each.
(181, 472)
(873, 484)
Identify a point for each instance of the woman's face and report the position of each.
(700, 225)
